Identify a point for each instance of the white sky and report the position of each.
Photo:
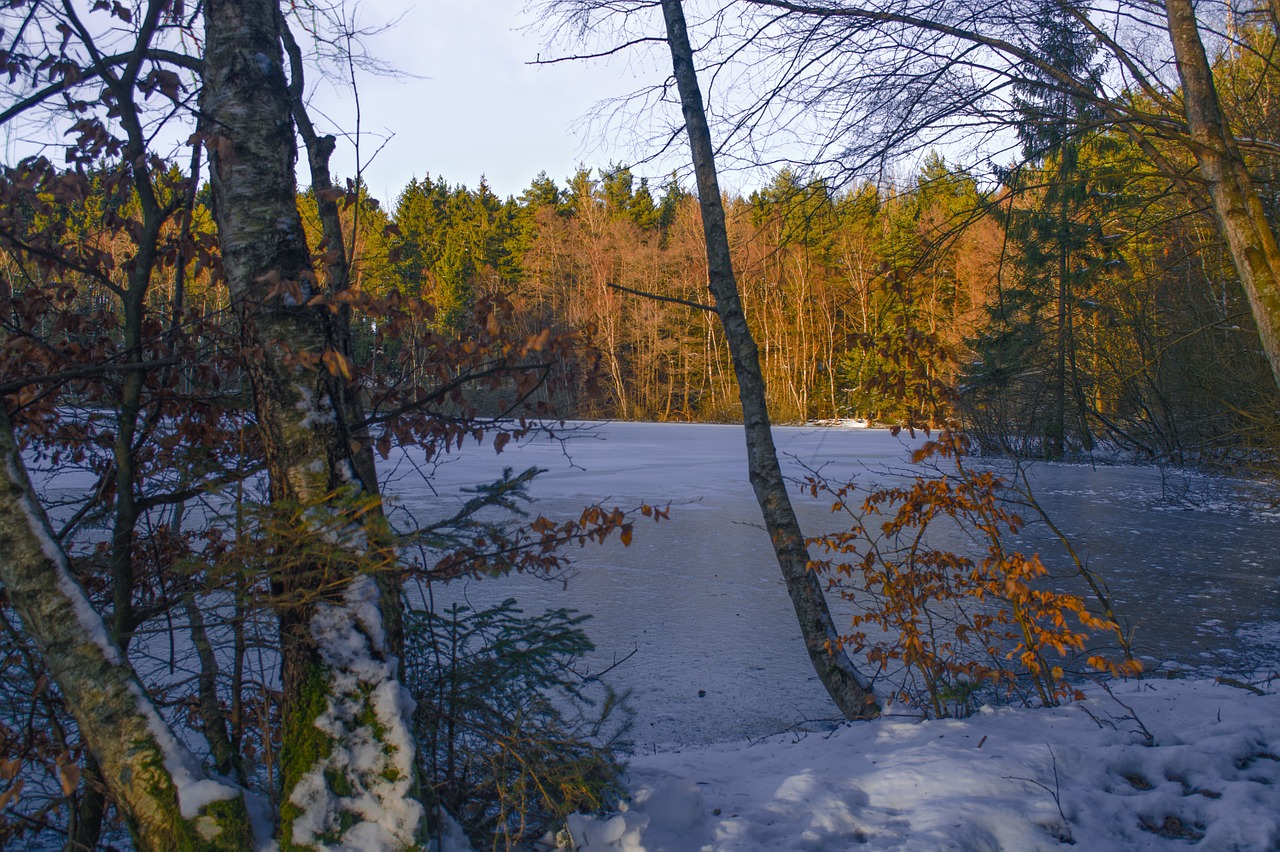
(472, 105)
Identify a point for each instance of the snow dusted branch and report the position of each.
(156, 781)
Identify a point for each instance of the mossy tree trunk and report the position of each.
(337, 278)
(348, 752)
(166, 798)
(850, 691)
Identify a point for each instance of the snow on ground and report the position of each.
(1156, 764)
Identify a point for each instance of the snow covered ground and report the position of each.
(697, 607)
(1156, 764)
(1162, 763)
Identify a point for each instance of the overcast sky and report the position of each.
(469, 104)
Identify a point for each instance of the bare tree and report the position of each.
(871, 80)
(134, 756)
(1237, 207)
(576, 20)
(850, 691)
(350, 766)
(159, 785)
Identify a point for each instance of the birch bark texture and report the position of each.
(348, 751)
(164, 795)
(848, 688)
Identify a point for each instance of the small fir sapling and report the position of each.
(511, 735)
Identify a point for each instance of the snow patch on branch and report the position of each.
(366, 715)
(86, 616)
(196, 790)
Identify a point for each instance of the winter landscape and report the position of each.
(873, 442)
(1198, 770)
(735, 744)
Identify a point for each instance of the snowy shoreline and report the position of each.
(1151, 764)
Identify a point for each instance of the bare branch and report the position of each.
(674, 300)
(613, 51)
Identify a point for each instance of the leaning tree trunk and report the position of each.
(165, 797)
(347, 746)
(1236, 204)
(851, 692)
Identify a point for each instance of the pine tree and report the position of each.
(1030, 366)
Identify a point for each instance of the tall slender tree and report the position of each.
(847, 687)
(1052, 224)
(349, 767)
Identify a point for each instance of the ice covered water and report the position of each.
(698, 603)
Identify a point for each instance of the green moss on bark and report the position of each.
(232, 818)
(220, 826)
(303, 747)
(306, 747)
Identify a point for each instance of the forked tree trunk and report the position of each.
(337, 278)
(348, 751)
(850, 691)
(166, 798)
(1237, 206)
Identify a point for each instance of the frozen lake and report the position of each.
(698, 599)
(698, 603)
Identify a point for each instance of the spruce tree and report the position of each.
(1029, 376)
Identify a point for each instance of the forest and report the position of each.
(1160, 354)
(220, 630)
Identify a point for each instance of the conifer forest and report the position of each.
(1034, 235)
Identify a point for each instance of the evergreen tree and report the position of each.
(617, 186)
(644, 210)
(454, 243)
(1029, 366)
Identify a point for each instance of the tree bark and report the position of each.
(850, 691)
(347, 748)
(337, 279)
(164, 795)
(1236, 204)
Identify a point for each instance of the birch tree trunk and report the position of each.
(166, 798)
(850, 691)
(337, 279)
(348, 751)
(1236, 204)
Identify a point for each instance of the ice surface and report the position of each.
(718, 658)
(718, 665)
(699, 600)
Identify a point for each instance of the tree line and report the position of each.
(222, 360)
(1083, 297)
(1080, 304)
